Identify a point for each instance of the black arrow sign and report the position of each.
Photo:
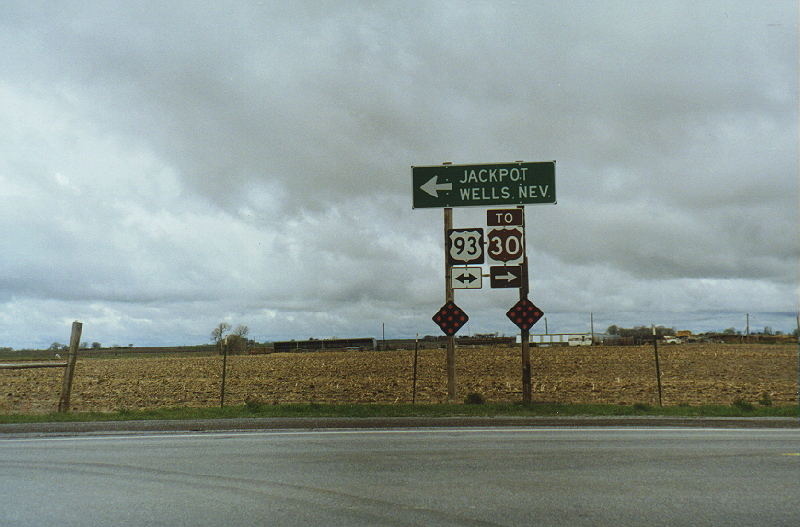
(468, 278)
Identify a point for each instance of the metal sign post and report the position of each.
(525, 336)
(449, 296)
(507, 243)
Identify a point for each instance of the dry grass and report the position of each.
(691, 374)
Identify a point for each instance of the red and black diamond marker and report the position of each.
(524, 314)
(450, 318)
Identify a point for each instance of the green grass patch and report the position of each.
(257, 409)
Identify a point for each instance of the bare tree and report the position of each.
(219, 332)
(241, 331)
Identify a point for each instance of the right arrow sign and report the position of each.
(505, 276)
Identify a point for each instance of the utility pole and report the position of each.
(747, 328)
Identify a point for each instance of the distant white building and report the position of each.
(559, 339)
(580, 340)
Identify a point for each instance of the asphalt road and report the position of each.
(487, 476)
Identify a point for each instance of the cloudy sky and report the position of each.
(165, 166)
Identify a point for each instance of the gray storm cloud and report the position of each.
(248, 156)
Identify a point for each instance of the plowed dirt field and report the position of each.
(693, 374)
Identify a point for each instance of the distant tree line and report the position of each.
(766, 331)
(644, 331)
(57, 346)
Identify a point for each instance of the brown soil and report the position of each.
(691, 374)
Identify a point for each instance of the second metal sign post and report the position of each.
(517, 218)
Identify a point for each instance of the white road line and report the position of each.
(245, 434)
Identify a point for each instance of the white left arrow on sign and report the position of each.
(433, 187)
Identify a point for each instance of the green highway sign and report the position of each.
(439, 186)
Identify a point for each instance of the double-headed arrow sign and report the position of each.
(467, 278)
(483, 185)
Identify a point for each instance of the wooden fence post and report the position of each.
(414, 372)
(658, 366)
(224, 371)
(69, 371)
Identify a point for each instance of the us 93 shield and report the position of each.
(465, 246)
